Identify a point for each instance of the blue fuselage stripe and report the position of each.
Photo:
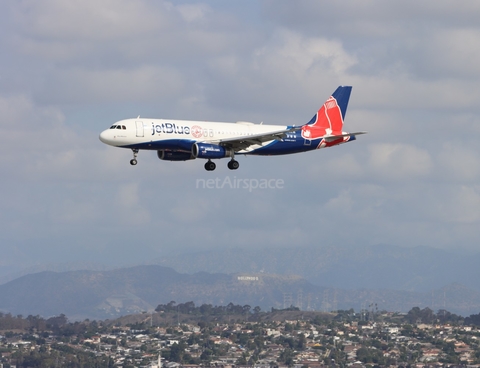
(293, 144)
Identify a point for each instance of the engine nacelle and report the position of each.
(174, 156)
(207, 150)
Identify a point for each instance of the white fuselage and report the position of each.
(153, 133)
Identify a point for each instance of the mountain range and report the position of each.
(109, 294)
(314, 278)
(419, 269)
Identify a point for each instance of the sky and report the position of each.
(69, 70)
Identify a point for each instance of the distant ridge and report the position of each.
(420, 269)
(110, 294)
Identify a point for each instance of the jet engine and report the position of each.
(207, 150)
(174, 155)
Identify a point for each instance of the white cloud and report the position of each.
(285, 70)
(462, 205)
(130, 207)
(194, 12)
(399, 161)
(463, 56)
(191, 210)
(458, 163)
(26, 128)
(145, 84)
(296, 55)
(90, 20)
(71, 69)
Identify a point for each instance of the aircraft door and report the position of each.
(139, 125)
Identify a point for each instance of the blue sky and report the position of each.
(70, 69)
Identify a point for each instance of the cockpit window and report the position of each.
(119, 127)
(124, 127)
(113, 127)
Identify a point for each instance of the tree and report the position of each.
(176, 352)
(413, 315)
(246, 309)
(302, 342)
(286, 356)
(206, 309)
(242, 360)
(188, 307)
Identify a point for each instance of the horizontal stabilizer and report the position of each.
(330, 138)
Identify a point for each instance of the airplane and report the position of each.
(182, 140)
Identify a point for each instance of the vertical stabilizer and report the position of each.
(329, 118)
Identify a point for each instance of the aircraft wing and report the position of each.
(243, 142)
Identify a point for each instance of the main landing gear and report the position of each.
(133, 161)
(232, 165)
(210, 166)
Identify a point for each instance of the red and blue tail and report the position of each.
(328, 121)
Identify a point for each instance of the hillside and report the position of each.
(171, 319)
(110, 294)
(107, 294)
(419, 269)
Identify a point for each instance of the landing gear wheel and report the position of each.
(233, 165)
(133, 161)
(210, 166)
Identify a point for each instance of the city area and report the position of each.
(187, 336)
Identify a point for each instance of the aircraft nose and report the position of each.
(104, 136)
